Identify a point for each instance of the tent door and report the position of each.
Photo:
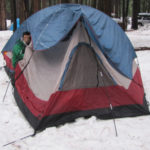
(84, 70)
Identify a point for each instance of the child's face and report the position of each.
(27, 39)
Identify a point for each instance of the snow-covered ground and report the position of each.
(141, 37)
(84, 134)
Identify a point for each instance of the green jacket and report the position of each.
(18, 52)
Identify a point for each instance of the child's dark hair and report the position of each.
(26, 33)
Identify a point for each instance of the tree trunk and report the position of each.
(107, 7)
(117, 8)
(124, 14)
(146, 5)
(56, 2)
(143, 5)
(50, 3)
(8, 9)
(113, 7)
(53, 2)
(127, 8)
(31, 6)
(27, 8)
(36, 5)
(76, 1)
(135, 13)
(44, 4)
(64, 1)
(2, 15)
(84, 2)
(93, 3)
(23, 11)
(11, 10)
(14, 15)
(139, 7)
(100, 5)
(80, 2)
(149, 6)
(88, 3)
(20, 10)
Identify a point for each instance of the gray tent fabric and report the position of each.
(43, 69)
(46, 69)
(118, 77)
(84, 71)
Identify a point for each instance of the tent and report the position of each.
(80, 63)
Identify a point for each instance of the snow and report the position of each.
(8, 23)
(83, 134)
(141, 37)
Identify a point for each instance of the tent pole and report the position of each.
(31, 135)
(6, 89)
(5, 96)
(17, 76)
(24, 68)
(110, 104)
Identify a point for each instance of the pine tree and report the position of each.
(3, 15)
(136, 6)
(64, 1)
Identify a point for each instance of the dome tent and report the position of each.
(80, 64)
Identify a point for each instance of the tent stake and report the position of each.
(31, 135)
(1, 67)
(111, 107)
(114, 120)
(6, 89)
